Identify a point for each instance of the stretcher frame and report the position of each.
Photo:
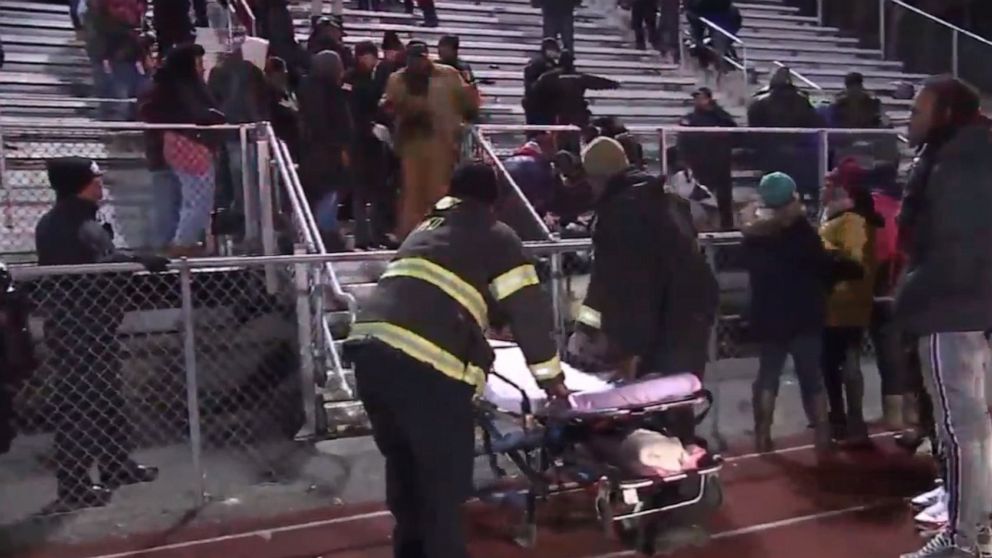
(541, 459)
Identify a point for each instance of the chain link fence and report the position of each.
(181, 393)
(187, 190)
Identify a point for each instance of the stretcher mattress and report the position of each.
(593, 392)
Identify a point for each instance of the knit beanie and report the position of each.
(604, 157)
(776, 189)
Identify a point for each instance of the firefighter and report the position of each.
(420, 355)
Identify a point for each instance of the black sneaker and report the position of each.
(127, 474)
(73, 497)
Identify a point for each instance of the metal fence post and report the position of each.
(266, 217)
(819, 12)
(192, 387)
(304, 322)
(663, 145)
(247, 192)
(955, 54)
(881, 27)
(823, 163)
(713, 353)
(557, 273)
(8, 188)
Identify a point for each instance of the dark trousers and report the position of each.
(423, 423)
(644, 20)
(373, 5)
(559, 22)
(74, 14)
(890, 354)
(430, 11)
(90, 424)
(669, 28)
(806, 352)
(842, 371)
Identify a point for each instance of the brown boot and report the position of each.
(894, 411)
(817, 413)
(764, 413)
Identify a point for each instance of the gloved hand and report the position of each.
(555, 388)
(154, 264)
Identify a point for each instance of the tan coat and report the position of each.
(850, 303)
(428, 132)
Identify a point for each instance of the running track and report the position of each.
(785, 505)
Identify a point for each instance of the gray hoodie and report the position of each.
(947, 225)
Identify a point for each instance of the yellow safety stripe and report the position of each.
(590, 317)
(418, 348)
(452, 285)
(512, 281)
(547, 369)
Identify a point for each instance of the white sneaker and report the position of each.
(940, 546)
(936, 514)
(929, 498)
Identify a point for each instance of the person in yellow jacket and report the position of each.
(849, 226)
(430, 103)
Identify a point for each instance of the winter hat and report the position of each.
(68, 176)
(475, 180)
(848, 174)
(604, 157)
(777, 189)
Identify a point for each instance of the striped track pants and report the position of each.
(955, 369)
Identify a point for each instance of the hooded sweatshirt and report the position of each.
(328, 128)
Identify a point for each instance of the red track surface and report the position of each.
(780, 506)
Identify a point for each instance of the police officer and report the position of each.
(90, 425)
(420, 354)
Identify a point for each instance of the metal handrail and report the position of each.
(957, 31)
(31, 271)
(642, 129)
(801, 77)
(65, 124)
(309, 224)
(251, 25)
(491, 153)
(742, 65)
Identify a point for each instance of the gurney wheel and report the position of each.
(604, 511)
(526, 536)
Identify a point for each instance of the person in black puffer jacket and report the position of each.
(788, 269)
(652, 294)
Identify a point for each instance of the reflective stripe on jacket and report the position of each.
(457, 273)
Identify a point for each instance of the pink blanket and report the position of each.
(593, 392)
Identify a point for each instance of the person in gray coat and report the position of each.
(946, 298)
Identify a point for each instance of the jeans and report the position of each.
(195, 208)
(166, 199)
(805, 351)
(842, 373)
(122, 82)
(955, 366)
(326, 212)
(559, 22)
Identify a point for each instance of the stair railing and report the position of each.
(313, 243)
(735, 40)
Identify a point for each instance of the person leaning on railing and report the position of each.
(84, 314)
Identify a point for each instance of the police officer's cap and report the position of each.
(69, 175)
(475, 180)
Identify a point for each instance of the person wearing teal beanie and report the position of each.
(776, 190)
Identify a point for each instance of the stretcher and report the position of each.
(556, 448)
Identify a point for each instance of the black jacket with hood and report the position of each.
(946, 228)
(789, 272)
(328, 127)
(650, 283)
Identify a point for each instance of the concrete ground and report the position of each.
(279, 478)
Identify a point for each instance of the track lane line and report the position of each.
(267, 533)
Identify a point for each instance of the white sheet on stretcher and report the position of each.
(593, 393)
